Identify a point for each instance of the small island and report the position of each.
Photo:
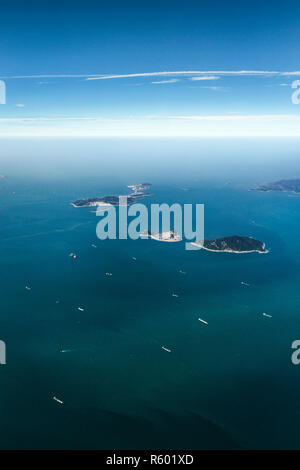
(233, 244)
(137, 192)
(139, 188)
(288, 186)
(170, 236)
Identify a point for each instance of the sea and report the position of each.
(227, 384)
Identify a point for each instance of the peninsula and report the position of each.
(289, 186)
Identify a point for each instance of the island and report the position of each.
(170, 236)
(233, 244)
(137, 192)
(139, 188)
(289, 186)
(100, 201)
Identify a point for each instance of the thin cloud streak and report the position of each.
(205, 77)
(235, 117)
(89, 76)
(160, 82)
(239, 117)
(198, 72)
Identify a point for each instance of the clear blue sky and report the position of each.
(58, 46)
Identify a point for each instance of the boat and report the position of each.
(134, 259)
(267, 315)
(81, 309)
(108, 274)
(166, 349)
(175, 295)
(58, 400)
(245, 284)
(203, 321)
(27, 288)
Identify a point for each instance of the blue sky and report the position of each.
(149, 69)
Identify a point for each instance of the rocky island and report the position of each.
(100, 201)
(290, 186)
(139, 188)
(234, 244)
(137, 192)
(170, 236)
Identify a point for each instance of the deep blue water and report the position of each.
(230, 384)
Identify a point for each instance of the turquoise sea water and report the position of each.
(230, 384)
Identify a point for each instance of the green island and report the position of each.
(233, 244)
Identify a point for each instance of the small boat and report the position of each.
(108, 274)
(182, 272)
(203, 321)
(267, 315)
(134, 259)
(72, 255)
(94, 246)
(245, 284)
(81, 309)
(58, 400)
(27, 288)
(166, 349)
(175, 295)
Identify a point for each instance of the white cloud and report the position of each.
(20, 105)
(205, 77)
(187, 73)
(188, 117)
(53, 119)
(216, 88)
(197, 72)
(172, 80)
(221, 117)
(240, 117)
(172, 126)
